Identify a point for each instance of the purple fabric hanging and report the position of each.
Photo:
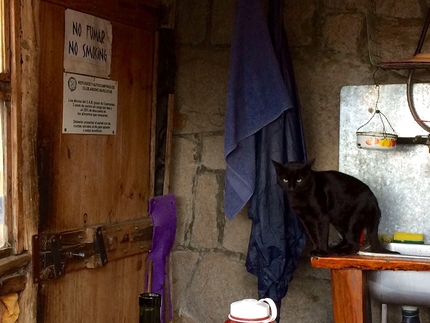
(162, 210)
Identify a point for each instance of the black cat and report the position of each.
(323, 197)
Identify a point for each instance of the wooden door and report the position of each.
(92, 181)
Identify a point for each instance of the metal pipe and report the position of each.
(423, 33)
(384, 313)
(409, 87)
(409, 95)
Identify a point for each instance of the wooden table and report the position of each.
(348, 281)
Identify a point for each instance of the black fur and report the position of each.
(323, 197)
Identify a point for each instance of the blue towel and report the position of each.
(263, 124)
(256, 96)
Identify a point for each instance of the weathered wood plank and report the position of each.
(110, 174)
(12, 284)
(139, 14)
(14, 263)
(153, 150)
(4, 96)
(348, 290)
(370, 263)
(120, 240)
(108, 294)
(98, 180)
(23, 136)
(169, 133)
(5, 77)
(169, 11)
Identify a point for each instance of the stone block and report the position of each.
(237, 231)
(191, 21)
(183, 267)
(213, 152)
(205, 230)
(306, 271)
(320, 104)
(320, 113)
(223, 15)
(340, 33)
(397, 43)
(308, 300)
(218, 281)
(212, 275)
(339, 5)
(399, 9)
(183, 168)
(201, 89)
(299, 23)
(180, 317)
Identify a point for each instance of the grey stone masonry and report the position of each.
(329, 47)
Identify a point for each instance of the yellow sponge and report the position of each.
(406, 237)
(385, 238)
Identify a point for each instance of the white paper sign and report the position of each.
(87, 44)
(89, 105)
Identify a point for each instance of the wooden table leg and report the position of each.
(349, 295)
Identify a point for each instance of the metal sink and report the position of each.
(402, 287)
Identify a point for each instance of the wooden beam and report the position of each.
(12, 284)
(144, 15)
(169, 133)
(169, 10)
(349, 295)
(371, 263)
(25, 90)
(12, 264)
(24, 100)
(4, 96)
(5, 77)
(154, 117)
(77, 248)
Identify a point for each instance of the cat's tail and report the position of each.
(376, 245)
(372, 235)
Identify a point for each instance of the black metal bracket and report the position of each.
(417, 140)
(99, 246)
(49, 263)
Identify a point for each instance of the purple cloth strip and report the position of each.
(162, 210)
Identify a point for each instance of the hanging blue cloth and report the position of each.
(256, 97)
(263, 123)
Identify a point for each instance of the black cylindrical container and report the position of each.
(410, 314)
(149, 305)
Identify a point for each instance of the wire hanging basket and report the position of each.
(377, 135)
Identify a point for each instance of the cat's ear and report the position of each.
(278, 166)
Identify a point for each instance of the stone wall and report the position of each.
(328, 39)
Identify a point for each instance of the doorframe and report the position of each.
(22, 183)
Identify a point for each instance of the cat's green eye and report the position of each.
(285, 180)
(298, 180)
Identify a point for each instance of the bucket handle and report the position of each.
(273, 308)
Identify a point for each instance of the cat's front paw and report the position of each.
(318, 253)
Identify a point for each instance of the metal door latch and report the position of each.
(53, 253)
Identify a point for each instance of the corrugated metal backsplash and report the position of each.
(400, 179)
